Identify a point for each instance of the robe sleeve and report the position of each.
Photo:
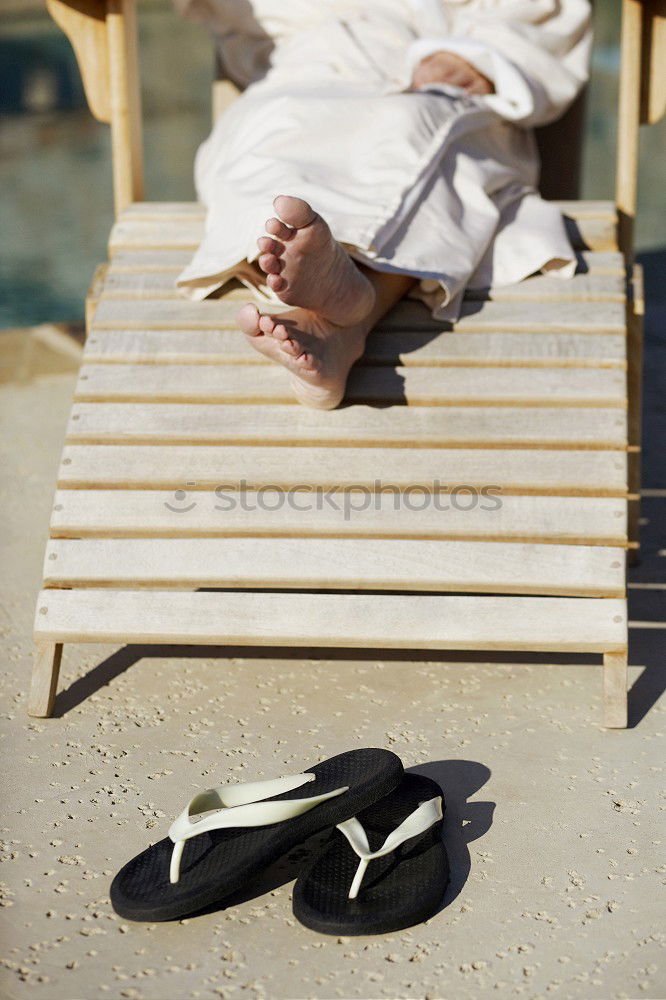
(536, 53)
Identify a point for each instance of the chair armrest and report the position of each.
(103, 34)
(84, 23)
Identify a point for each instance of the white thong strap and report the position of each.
(425, 816)
(240, 805)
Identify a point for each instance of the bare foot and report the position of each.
(320, 339)
(316, 353)
(306, 267)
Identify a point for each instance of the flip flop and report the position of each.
(229, 833)
(387, 868)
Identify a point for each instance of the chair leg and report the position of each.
(44, 681)
(615, 690)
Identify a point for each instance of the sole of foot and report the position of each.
(317, 354)
(306, 267)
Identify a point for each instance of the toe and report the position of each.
(268, 245)
(280, 331)
(277, 282)
(270, 264)
(294, 211)
(306, 362)
(291, 347)
(266, 324)
(277, 228)
(248, 319)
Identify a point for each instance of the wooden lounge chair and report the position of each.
(536, 391)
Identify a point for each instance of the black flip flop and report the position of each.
(241, 829)
(383, 870)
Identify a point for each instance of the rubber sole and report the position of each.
(398, 891)
(216, 864)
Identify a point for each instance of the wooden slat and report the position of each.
(546, 288)
(509, 317)
(146, 284)
(187, 209)
(584, 317)
(128, 262)
(578, 208)
(596, 473)
(585, 233)
(149, 234)
(161, 259)
(340, 563)
(379, 621)
(447, 348)
(156, 284)
(435, 386)
(496, 349)
(592, 232)
(158, 513)
(602, 262)
(180, 225)
(418, 427)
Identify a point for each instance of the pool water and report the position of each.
(55, 159)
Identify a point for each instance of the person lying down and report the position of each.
(380, 148)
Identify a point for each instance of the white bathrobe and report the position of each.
(434, 183)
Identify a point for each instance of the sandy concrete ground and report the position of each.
(554, 825)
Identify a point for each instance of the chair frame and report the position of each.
(104, 37)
